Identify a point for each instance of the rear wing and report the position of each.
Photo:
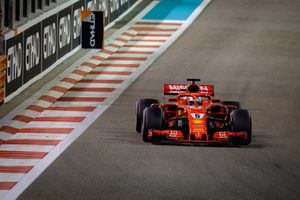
(174, 89)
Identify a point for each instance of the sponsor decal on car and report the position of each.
(223, 135)
(198, 121)
(173, 134)
(197, 115)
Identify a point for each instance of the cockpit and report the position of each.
(192, 100)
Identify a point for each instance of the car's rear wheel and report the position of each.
(152, 119)
(241, 121)
(140, 106)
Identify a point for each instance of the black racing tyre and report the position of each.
(241, 121)
(232, 103)
(152, 119)
(139, 108)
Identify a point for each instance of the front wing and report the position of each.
(220, 137)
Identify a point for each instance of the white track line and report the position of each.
(125, 37)
(114, 69)
(75, 103)
(42, 103)
(137, 49)
(39, 124)
(5, 135)
(93, 61)
(11, 177)
(144, 43)
(104, 77)
(18, 162)
(17, 124)
(98, 85)
(85, 94)
(119, 43)
(130, 55)
(41, 136)
(19, 147)
(74, 76)
(65, 84)
(156, 32)
(2, 192)
(63, 113)
(102, 54)
(85, 68)
(55, 94)
(122, 61)
(156, 26)
(151, 38)
(110, 48)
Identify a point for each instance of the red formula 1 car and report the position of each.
(194, 116)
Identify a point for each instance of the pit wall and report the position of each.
(37, 47)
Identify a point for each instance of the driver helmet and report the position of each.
(199, 101)
(191, 101)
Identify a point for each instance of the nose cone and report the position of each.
(197, 122)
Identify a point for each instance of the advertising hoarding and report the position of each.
(45, 41)
(92, 29)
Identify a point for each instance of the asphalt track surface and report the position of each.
(250, 51)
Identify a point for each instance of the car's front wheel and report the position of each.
(241, 121)
(152, 119)
(139, 109)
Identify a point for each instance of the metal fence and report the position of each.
(17, 12)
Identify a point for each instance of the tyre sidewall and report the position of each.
(140, 106)
(241, 121)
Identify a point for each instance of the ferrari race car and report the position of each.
(193, 116)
